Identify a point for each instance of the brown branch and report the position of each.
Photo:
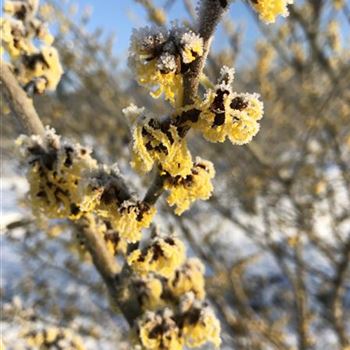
(105, 263)
(97, 248)
(116, 280)
(210, 14)
(21, 105)
(155, 190)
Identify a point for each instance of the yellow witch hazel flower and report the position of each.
(188, 278)
(42, 69)
(158, 56)
(193, 324)
(159, 142)
(103, 192)
(158, 330)
(163, 256)
(115, 244)
(55, 171)
(149, 291)
(245, 110)
(128, 218)
(199, 324)
(36, 68)
(191, 45)
(226, 114)
(213, 122)
(268, 10)
(11, 41)
(197, 185)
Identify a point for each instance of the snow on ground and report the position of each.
(233, 242)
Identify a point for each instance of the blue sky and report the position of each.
(120, 16)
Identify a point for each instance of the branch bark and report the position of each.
(210, 14)
(117, 280)
(21, 105)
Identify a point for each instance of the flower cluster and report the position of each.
(36, 68)
(191, 324)
(128, 218)
(162, 256)
(223, 114)
(65, 181)
(160, 142)
(196, 185)
(170, 291)
(162, 272)
(55, 171)
(163, 142)
(149, 291)
(188, 278)
(198, 322)
(269, 9)
(53, 338)
(158, 57)
(104, 194)
(158, 330)
(227, 114)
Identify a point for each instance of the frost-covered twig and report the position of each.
(210, 13)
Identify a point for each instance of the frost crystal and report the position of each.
(226, 78)
(132, 112)
(166, 62)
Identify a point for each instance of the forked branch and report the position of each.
(209, 16)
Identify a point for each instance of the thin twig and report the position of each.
(337, 308)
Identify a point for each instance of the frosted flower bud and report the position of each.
(163, 256)
(188, 278)
(199, 323)
(158, 330)
(191, 46)
(183, 191)
(55, 170)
